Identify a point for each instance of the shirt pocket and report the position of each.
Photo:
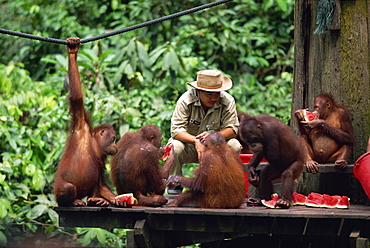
(213, 126)
(193, 127)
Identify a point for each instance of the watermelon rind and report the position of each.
(269, 204)
(313, 204)
(129, 198)
(308, 116)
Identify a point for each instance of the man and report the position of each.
(199, 111)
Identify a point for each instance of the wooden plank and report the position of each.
(323, 168)
(331, 168)
(354, 212)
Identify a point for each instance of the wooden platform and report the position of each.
(298, 226)
(255, 227)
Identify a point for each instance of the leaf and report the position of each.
(38, 179)
(37, 211)
(166, 63)
(2, 177)
(49, 229)
(134, 112)
(174, 60)
(42, 199)
(3, 239)
(154, 55)
(104, 55)
(114, 4)
(88, 55)
(53, 216)
(13, 144)
(282, 4)
(100, 234)
(89, 236)
(267, 4)
(4, 206)
(131, 47)
(142, 54)
(124, 129)
(120, 71)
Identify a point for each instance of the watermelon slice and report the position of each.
(298, 199)
(327, 201)
(330, 201)
(343, 202)
(167, 150)
(271, 203)
(314, 200)
(309, 116)
(129, 199)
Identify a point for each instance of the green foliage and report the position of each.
(129, 80)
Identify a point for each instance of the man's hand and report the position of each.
(202, 137)
(200, 147)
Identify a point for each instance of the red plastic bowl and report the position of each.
(246, 158)
(361, 170)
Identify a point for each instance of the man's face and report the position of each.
(207, 98)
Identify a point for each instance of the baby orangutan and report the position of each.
(218, 181)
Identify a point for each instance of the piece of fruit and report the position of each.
(343, 202)
(330, 201)
(271, 203)
(309, 116)
(167, 150)
(298, 199)
(129, 199)
(314, 200)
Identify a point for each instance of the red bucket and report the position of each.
(361, 170)
(246, 158)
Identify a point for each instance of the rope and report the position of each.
(325, 14)
(158, 20)
(33, 37)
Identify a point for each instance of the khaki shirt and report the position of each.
(190, 116)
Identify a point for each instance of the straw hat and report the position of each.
(211, 80)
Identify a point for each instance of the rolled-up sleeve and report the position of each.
(180, 118)
(229, 117)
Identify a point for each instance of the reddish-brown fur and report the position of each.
(270, 138)
(328, 139)
(136, 168)
(81, 170)
(218, 181)
(245, 149)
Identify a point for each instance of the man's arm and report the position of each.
(185, 137)
(228, 133)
